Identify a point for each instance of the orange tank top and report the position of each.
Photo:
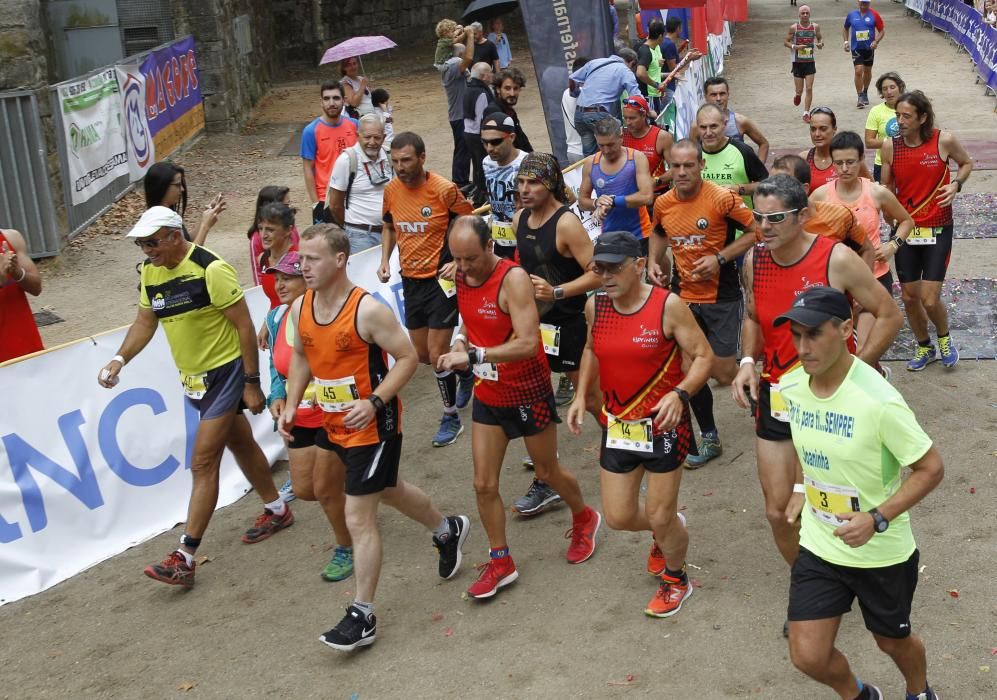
(346, 368)
(867, 213)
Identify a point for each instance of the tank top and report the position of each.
(346, 368)
(622, 182)
(867, 213)
(654, 70)
(819, 177)
(309, 415)
(804, 38)
(638, 364)
(18, 330)
(730, 128)
(501, 384)
(919, 172)
(538, 255)
(648, 145)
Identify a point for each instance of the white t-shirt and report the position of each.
(501, 183)
(366, 197)
(574, 141)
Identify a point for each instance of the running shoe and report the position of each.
(582, 535)
(539, 498)
(496, 574)
(709, 448)
(865, 98)
(286, 492)
(354, 630)
(806, 117)
(669, 597)
(874, 692)
(449, 545)
(340, 566)
(858, 101)
(450, 430)
(949, 352)
(528, 463)
(465, 389)
(924, 355)
(656, 559)
(928, 694)
(797, 99)
(173, 570)
(268, 524)
(565, 393)
(884, 370)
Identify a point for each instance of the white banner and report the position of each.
(141, 147)
(91, 119)
(915, 6)
(86, 472)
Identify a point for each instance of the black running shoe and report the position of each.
(354, 630)
(449, 546)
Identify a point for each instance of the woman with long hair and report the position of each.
(355, 88)
(165, 185)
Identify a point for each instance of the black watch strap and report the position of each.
(881, 523)
(683, 394)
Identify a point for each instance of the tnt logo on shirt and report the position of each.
(693, 241)
(415, 227)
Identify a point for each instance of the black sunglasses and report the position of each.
(493, 142)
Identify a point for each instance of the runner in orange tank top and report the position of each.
(786, 262)
(343, 337)
(638, 336)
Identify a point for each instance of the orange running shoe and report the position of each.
(656, 559)
(267, 524)
(669, 598)
(494, 575)
(173, 570)
(582, 535)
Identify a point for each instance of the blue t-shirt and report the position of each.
(862, 29)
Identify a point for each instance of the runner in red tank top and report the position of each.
(638, 337)
(787, 261)
(18, 274)
(513, 397)
(915, 166)
(654, 142)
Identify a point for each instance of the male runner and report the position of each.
(329, 134)
(642, 134)
(729, 162)
(774, 273)
(498, 133)
(852, 433)
(555, 249)
(650, 61)
(513, 397)
(197, 297)
(636, 343)
(915, 166)
(801, 39)
(861, 32)
(418, 209)
(697, 220)
(736, 126)
(342, 340)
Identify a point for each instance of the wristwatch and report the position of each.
(683, 394)
(740, 190)
(721, 260)
(881, 523)
(558, 293)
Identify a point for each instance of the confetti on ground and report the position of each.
(954, 593)
(975, 215)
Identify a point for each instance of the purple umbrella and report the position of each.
(357, 46)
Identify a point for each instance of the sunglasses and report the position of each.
(635, 104)
(151, 243)
(822, 110)
(493, 142)
(776, 217)
(603, 269)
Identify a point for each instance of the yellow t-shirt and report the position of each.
(188, 301)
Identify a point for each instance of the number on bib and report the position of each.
(449, 287)
(194, 385)
(334, 395)
(486, 370)
(924, 235)
(827, 499)
(862, 35)
(551, 337)
(636, 436)
(777, 404)
(502, 233)
(805, 52)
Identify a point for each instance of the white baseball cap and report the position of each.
(154, 219)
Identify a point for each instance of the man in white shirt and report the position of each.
(356, 185)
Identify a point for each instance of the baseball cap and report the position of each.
(290, 264)
(498, 121)
(154, 219)
(817, 305)
(615, 247)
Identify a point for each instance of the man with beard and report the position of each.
(508, 84)
(322, 141)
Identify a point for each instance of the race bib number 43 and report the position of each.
(334, 395)
(503, 234)
(825, 500)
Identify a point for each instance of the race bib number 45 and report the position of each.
(334, 395)
(825, 500)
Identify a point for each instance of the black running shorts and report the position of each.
(427, 306)
(369, 468)
(801, 69)
(303, 437)
(573, 334)
(819, 590)
(517, 421)
(721, 324)
(669, 451)
(863, 57)
(925, 262)
(767, 427)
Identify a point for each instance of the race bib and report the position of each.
(449, 287)
(334, 395)
(861, 35)
(636, 436)
(924, 235)
(806, 52)
(308, 398)
(551, 337)
(502, 233)
(777, 404)
(194, 385)
(486, 370)
(827, 499)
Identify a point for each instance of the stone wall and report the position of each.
(408, 22)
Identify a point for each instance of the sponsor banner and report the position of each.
(87, 472)
(966, 26)
(915, 6)
(94, 137)
(174, 107)
(141, 148)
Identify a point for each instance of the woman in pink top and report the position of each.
(270, 193)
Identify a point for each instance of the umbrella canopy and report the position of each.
(357, 46)
(480, 10)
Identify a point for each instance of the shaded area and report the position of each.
(47, 318)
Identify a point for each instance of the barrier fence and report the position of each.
(965, 26)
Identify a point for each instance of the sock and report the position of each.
(680, 574)
(187, 556)
(442, 530)
(702, 408)
(926, 343)
(926, 692)
(277, 507)
(366, 608)
(447, 381)
(499, 553)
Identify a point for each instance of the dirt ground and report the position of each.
(250, 627)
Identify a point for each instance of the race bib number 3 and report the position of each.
(636, 436)
(486, 370)
(825, 500)
(503, 234)
(194, 386)
(777, 404)
(551, 337)
(924, 235)
(334, 395)
(449, 287)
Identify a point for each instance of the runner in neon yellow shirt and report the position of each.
(853, 433)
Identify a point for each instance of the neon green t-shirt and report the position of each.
(852, 446)
(188, 301)
(883, 120)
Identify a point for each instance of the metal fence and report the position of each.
(26, 202)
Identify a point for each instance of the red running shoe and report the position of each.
(494, 575)
(582, 535)
(267, 524)
(655, 560)
(173, 570)
(796, 100)
(669, 597)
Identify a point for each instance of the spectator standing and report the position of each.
(478, 101)
(508, 84)
(649, 64)
(356, 88)
(484, 50)
(165, 185)
(501, 42)
(453, 75)
(321, 143)
(601, 81)
(569, 98)
(18, 274)
(385, 112)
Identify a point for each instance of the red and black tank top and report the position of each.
(648, 145)
(518, 383)
(919, 172)
(819, 177)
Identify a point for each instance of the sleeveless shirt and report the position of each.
(867, 213)
(819, 177)
(918, 173)
(18, 331)
(537, 253)
(648, 145)
(622, 182)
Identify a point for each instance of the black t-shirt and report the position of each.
(644, 58)
(486, 53)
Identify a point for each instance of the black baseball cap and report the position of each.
(615, 247)
(817, 305)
